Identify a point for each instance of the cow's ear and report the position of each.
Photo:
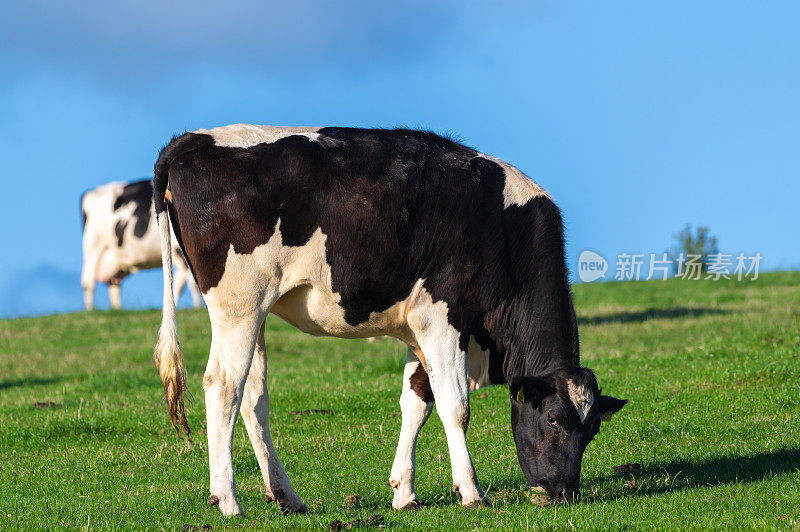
(609, 406)
(528, 390)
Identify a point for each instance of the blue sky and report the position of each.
(638, 117)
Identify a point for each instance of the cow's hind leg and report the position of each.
(232, 342)
(179, 281)
(115, 292)
(193, 290)
(447, 372)
(416, 404)
(88, 280)
(183, 277)
(255, 412)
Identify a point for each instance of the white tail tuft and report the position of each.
(167, 355)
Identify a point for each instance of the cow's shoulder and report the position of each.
(518, 189)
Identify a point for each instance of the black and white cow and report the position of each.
(120, 237)
(365, 232)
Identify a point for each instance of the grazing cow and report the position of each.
(120, 237)
(366, 232)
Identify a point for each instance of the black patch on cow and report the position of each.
(396, 206)
(119, 230)
(421, 385)
(176, 228)
(140, 193)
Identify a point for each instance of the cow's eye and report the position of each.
(552, 421)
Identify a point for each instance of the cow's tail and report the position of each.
(167, 355)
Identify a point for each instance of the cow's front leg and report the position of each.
(232, 344)
(416, 404)
(447, 372)
(255, 412)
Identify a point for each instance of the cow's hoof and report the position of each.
(405, 501)
(404, 496)
(411, 505)
(474, 505)
(287, 509)
(228, 507)
(289, 502)
(474, 498)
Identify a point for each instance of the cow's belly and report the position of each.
(114, 266)
(140, 253)
(314, 309)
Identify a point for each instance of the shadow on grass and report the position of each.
(650, 314)
(678, 475)
(651, 479)
(36, 381)
(654, 479)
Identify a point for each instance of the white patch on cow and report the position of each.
(246, 135)
(582, 397)
(105, 261)
(519, 189)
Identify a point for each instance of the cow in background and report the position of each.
(120, 237)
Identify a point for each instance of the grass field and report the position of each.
(711, 370)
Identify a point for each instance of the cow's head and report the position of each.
(553, 418)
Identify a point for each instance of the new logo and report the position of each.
(591, 266)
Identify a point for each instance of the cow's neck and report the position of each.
(535, 330)
(546, 341)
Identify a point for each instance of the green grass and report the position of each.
(711, 370)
